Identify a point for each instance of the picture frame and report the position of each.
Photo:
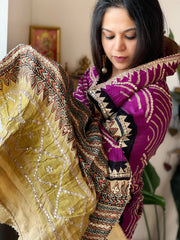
(46, 40)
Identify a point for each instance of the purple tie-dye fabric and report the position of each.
(142, 93)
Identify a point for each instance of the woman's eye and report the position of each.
(131, 37)
(109, 37)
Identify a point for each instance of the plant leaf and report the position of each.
(150, 178)
(171, 35)
(175, 182)
(151, 198)
(176, 96)
(178, 71)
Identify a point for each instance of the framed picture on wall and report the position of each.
(46, 40)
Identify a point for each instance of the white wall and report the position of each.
(73, 17)
(19, 19)
(171, 9)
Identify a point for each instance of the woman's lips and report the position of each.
(119, 59)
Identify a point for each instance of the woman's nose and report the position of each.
(119, 43)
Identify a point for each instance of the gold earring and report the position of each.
(104, 69)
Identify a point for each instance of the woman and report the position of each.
(134, 107)
(70, 167)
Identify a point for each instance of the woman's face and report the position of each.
(118, 38)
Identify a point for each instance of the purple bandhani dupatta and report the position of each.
(134, 110)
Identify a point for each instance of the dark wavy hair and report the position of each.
(148, 18)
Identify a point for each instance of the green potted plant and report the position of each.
(151, 182)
